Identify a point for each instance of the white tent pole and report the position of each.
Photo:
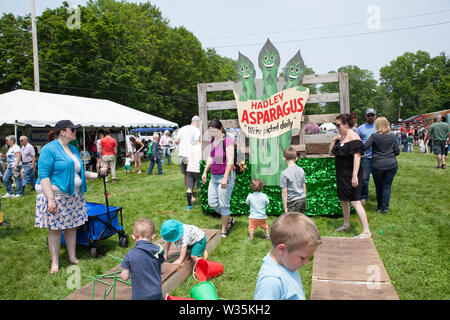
(15, 130)
(84, 148)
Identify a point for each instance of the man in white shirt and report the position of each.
(28, 160)
(165, 145)
(187, 136)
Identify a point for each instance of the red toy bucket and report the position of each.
(205, 270)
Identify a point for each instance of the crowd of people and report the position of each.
(423, 136)
(359, 152)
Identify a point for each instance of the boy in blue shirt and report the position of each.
(144, 263)
(154, 156)
(258, 202)
(294, 238)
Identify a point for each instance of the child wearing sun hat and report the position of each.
(186, 236)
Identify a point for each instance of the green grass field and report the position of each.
(412, 239)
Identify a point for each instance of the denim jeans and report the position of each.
(404, 146)
(410, 147)
(219, 198)
(9, 172)
(366, 165)
(383, 183)
(28, 176)
(152, 163)
(166, 151)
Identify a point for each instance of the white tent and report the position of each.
(39, 109)
(327, 126)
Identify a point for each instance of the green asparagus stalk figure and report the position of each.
(246, 74)
(294, 72)
(267, 154)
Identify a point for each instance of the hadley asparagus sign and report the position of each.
(278, 108)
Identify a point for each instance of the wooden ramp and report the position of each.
(172, 278)
(349, 269)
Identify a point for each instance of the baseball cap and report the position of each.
(195, 118)
(62, 124)
(370, 110)
(171, 230)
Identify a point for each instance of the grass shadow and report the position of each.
(10, 231)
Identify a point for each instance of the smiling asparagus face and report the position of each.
(269, 59)
(245, 68)
(294, 70)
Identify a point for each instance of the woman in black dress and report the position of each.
(347, 148)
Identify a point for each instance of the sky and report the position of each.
(328, 33)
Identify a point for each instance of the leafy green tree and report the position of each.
(362, 90)
(421, 82)
(124, 52)
(16, 53)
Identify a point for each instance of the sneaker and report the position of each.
(4, 224)
(384, 211)
(363, 202)
(443, 166)
(188, 208)
(8, 195)
(18, 195)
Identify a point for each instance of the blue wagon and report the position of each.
(103, 222)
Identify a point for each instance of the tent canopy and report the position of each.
(327, 126)
(40, 109)
(143, 130)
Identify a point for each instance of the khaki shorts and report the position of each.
(297, 205)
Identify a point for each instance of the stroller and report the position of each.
(103, 222)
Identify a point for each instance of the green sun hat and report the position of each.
(171, 230)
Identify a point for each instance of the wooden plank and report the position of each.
(347, 259)
(349, 268)
(334, 290)
(320, 78)
(307, 79)
(344, 92)
(301, 140)
(317, 148)
(222, 105)
(202, 108)
(323, 97)
(219, 86)
(323, 155)
(318, 138)
(171, 278)
(299, 147)
(320, 118)
(203, 114)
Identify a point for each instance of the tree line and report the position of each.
(128, 53)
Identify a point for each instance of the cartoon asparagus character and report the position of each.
(294, 72)
(246, 74)
(268, 153)
(269, 62)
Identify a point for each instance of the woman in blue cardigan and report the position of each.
(61, 184)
